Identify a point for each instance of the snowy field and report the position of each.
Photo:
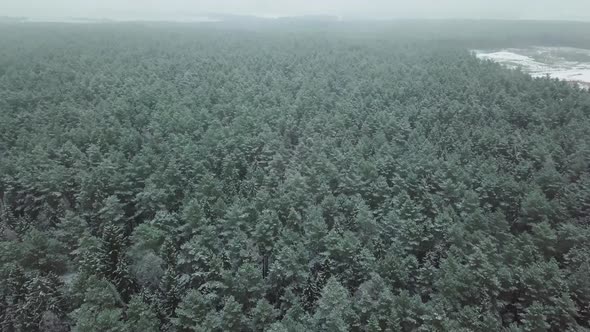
(564, 63)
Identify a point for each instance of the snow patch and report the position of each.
(557, 62)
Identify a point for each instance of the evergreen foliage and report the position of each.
(199, 178)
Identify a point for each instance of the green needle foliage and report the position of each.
(160, 177)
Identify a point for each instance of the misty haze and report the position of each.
(349, 9)
(288, 166)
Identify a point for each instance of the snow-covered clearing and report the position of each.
(564, 63)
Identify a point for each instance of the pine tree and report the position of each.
(70, 230)
(112, 211)
(265, 235)
(168, 252)
(535, 320)
(320, 273)
(246, 284)
(90, 256)
(101, 310)
(13, 294)
(43, 294)
(113, 249)
(334, 311)
(315, 229)
(374, 303)
(193, 313)
(123, 279)
(366, 223)
(114, 261)
(231, 317)
(373, 325)
(171, 292)
(140, 316)
(262, 316)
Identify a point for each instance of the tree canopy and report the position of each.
(181, 178)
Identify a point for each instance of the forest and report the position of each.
(178, 177)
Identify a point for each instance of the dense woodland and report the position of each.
(198, 178)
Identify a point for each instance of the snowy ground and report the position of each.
(565, 63)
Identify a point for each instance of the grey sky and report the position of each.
(516, 9)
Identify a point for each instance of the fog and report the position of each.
(353, 9)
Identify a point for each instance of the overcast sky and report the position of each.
(476, 9)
